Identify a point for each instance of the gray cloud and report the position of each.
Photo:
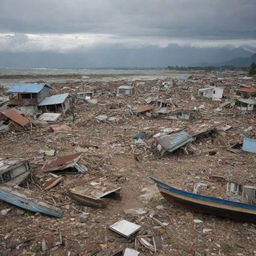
(204, 19)
(162, 29)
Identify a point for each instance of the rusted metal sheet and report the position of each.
(52, 183)
(247, 89)
(23, 198)
(14, 171)
(94, 192)
(14, 116)
(64, 164)
(60, 128)
(144, 109)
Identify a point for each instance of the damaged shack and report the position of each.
(28, 94)
(125, 90)
(246, 104)
(55, 103)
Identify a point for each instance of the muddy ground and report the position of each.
(110, 151)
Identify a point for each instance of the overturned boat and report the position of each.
(207, 204)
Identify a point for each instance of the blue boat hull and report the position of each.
(208, 205)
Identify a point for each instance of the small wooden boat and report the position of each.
(25, 199)
(207, 204)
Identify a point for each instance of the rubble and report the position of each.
(121, 145)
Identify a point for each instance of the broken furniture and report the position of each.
(95, 192)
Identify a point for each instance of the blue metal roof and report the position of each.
(248, 101)
(54, 99)
(27, 88)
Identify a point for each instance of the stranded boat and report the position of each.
(207, 204)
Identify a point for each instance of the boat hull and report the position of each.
(208, 205)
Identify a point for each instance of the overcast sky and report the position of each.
(71, 25)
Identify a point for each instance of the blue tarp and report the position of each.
(249, 145)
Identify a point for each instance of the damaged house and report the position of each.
(125, 90)
(59, 103)
(28, 94)
(246, 104)
(211, 92)
(246, 92)
(86, 95)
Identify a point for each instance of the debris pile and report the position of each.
(76, 157)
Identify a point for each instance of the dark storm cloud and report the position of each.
(195, 19)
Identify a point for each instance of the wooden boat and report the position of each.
(207, 204)
(23, 198)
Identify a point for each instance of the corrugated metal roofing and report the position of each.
(174, 141)
(63, 162)
(13, 115)
(54, 99)
(248, 101)
(144, 109)
(126, 87)
(247, 89)
(27, 88)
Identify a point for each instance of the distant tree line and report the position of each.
(252, 69)
(207, 68)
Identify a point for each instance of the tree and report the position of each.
(252, 70)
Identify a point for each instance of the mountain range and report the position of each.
(119, 56)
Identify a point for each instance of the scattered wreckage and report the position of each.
(95, 192)
(68, 164)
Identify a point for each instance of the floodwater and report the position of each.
(11, 76)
